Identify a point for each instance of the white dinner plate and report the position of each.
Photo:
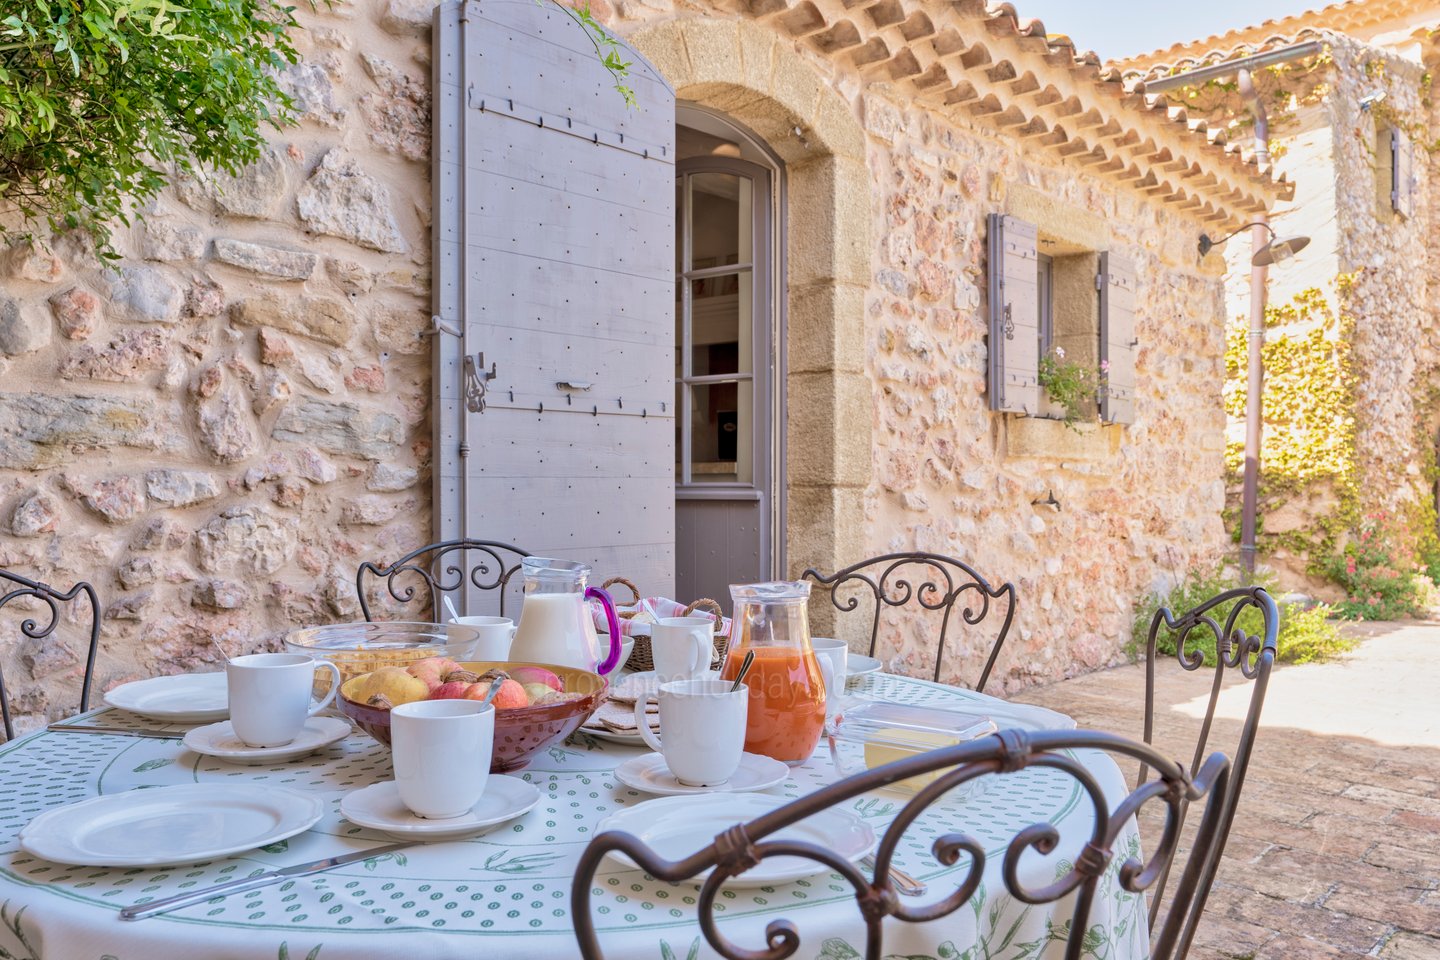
(218, 740)
(379, 807)
(649, 774)
(182, 698)
(857, 665)
(160, 826)
(676, 827)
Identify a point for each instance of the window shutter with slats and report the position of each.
(1014, 383)
(554, 232)
(1402, 173)
(1117, 337)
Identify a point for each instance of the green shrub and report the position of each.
(99, 99)
(1381, 577)
(1305, 634)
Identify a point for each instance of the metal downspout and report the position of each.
(1255, 380)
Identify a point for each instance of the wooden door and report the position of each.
(723, 376)
(554, 225)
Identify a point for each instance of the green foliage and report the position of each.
(607, 48)
(1072, 384)
(1378, 572)
(99, 98)
(1309, 401)
(1305, 634)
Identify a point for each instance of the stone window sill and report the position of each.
(1039, 438)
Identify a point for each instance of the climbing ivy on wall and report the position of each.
(1308, 406)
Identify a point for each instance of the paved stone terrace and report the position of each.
(1336, 847)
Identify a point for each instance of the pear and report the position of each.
(389, 687)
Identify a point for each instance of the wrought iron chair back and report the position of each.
(1252, 655)
(440, 568)
(14, 587)
(936, 583)
(1009, 751)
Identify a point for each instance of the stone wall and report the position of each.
(937, 471)
(1139, 504)
(1393, 337)
(216, 429)
(1338, 155)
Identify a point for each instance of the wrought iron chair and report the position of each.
(436, 570)
(934, 581)
(1252, 655)
(15, 587)
(743, 846)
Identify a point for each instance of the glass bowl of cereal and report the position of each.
(357, 648)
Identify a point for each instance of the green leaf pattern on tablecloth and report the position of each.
(154, 764)
(515, 879)
(10, 922)
(503, 862)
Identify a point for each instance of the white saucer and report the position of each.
(649, 774)
(219, 740)
(184, 823)
(857, 665)
(182, 698)
(378, 807)
(676, 827)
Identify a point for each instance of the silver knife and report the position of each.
(140, 911)
(116, 731)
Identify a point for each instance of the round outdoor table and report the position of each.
(506, 893)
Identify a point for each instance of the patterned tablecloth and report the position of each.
(505, 894)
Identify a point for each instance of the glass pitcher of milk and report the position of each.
(555, 624)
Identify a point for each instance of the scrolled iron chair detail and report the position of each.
(936, 582)
(433, 570)
(1253, 655)
(1009, 751)
(14, 587)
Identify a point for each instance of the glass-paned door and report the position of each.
(723, 381)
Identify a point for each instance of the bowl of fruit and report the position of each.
(537, 704)
(358, 648)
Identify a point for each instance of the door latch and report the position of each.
(476, 378)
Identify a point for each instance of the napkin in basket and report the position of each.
(639, 624)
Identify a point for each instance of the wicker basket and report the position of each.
(641, 657)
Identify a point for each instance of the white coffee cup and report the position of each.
(681, 647)
(441, 752)
(269, 695)
(833, 656)
(496, 635)
(704, 726)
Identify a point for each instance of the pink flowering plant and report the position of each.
(1381, 575)
(1074, 385)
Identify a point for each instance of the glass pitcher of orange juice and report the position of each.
(787, 694)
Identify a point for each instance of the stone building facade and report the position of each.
(218, 429)
(1354, 129)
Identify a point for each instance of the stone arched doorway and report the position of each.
(746, 72)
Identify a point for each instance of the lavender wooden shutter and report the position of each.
(1117, 337)
(554, 231)
(1402, 173)
(1014, 384)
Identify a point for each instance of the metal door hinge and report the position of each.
(476, 378)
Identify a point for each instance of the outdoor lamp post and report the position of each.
(1274, 250)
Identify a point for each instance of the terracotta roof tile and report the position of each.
(985, 58)
(1343, 17)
